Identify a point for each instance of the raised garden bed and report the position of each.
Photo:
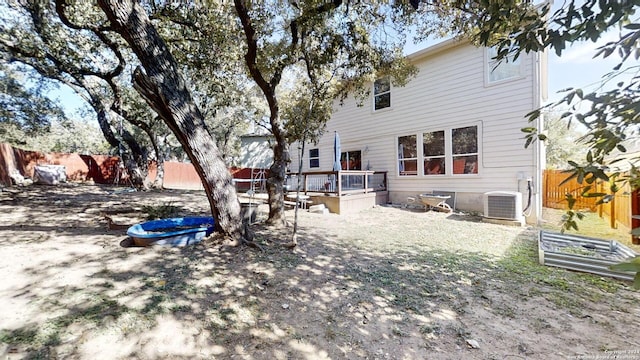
(581, 253)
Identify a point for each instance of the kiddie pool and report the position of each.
(173, 232)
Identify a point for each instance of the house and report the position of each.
(455, 127)
(256, 156)
(256, 151)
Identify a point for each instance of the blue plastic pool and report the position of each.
(174, 232)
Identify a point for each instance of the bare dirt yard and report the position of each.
(385, 283)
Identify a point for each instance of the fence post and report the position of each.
(635, 215)
(612, 215)
(545, 188)
(601, 207)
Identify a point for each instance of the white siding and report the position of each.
(255, 152)
(449, 91)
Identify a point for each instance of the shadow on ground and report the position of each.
(82, 293)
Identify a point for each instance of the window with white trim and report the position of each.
(464, 150)
(507, 68)
(351, 160)
(407, 155)
(314, 158)
(433, 151)
(381, 94)
(452, 151)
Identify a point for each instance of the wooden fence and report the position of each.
(101, 169)
(619, 211)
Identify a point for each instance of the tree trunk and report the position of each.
(277, 174)
(281, 158)
(103, 120)
(165, 90)
(137, 162)
(158, 182)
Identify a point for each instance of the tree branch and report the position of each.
(100, 32)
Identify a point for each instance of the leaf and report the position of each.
(598, 194)
(579, 93)
(528, 142)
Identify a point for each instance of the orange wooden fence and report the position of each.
(101, 169)
(618, 211)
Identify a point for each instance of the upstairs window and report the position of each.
(314, 158)
(381, 94)
(506, 69)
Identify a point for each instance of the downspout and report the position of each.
(539, 95)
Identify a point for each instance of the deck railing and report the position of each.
(339, 182)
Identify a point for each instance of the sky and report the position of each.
(575, 68)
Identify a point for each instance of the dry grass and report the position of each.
(385, 283)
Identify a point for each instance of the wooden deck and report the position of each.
(341, 192)
(350, 203)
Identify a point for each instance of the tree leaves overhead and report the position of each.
(24, 108)
(65, 42)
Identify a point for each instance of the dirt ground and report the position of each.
(385, 283)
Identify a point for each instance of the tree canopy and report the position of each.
(60, 43)
(563, 142)
(25, 110)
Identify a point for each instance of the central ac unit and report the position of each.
(505, 205)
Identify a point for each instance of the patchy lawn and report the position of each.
(385, 283)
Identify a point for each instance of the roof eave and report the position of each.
(435, 49)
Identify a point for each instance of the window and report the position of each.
(433, 150)
(452, 151)
(314, 158)
(351, 160)
(507, 68)
(407, 155)
(381, 94)
(465, 150)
